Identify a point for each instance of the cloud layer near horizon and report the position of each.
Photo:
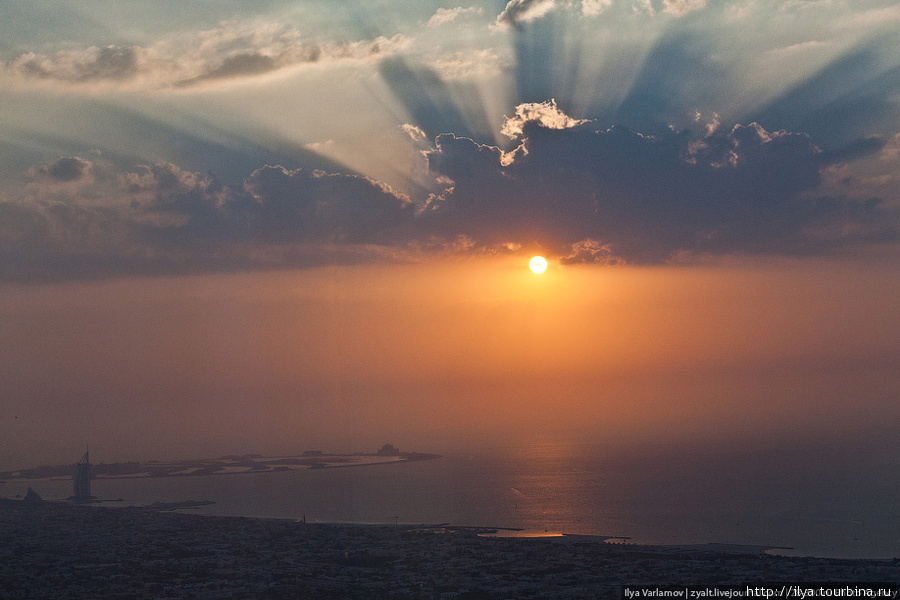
(162, 219)
(582, 194)
(650, 198)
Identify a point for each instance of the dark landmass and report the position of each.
(187, 504)
(226, 465)
(64, 551)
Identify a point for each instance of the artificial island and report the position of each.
(82, 472)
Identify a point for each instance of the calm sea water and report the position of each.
(840, 505)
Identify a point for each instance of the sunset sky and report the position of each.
(267, 226)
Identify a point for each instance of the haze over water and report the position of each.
(781, 496)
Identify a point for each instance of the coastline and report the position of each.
(419, 493)
(68, 551)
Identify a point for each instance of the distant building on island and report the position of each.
(81, 481)
(388, 450)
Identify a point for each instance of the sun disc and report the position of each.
(538, 264)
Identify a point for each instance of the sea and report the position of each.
(798, 502)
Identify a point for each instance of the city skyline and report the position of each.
(231, 227)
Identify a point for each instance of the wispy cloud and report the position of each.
(807, 46)
(590, 251)
(81, 66)
(444, 16)
(523, 11)
(469, 64)
(680, 8)
(230, 52)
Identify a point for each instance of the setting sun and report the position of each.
(538, 264)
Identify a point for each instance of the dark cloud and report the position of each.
(175, 204)
(586, 195)
(63, 170)
(241, 65)
(23, 230)
(324, 205)
(647, 198)
(249, 64)
(112, 63)
(273, 205)
(59, 241)
(169, 220)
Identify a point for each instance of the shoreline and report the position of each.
(60, 550)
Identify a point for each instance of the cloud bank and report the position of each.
(160, 219)
(651, 198)
(581, 193)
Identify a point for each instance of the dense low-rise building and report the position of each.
(64, 551)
